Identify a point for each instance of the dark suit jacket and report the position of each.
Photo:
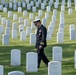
(41, 36)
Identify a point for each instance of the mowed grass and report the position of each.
(69, 46)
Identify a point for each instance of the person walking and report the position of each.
(41, 41)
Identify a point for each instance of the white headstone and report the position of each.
(14, 1)
(28, 6)
(46, 16)
(62, 20)
(32, 25)
(61, 25)
(75, 1)
(3, 21)
(61, 30)
(23, 36)
(20, 20)
(54, 12)
(72, 34)
(37, 4)
(16, 73)
(19, 3)
(52, 23)
(21, 27)
(15, 17)
(39, 1)
(7, 30)
(1, 29)
(14, 34)
(33, 9)
(31, 16)
(6, 4)
(11, 1)
(44, 2)
(56, 5)
(53, 18)
(48, 9)
(39, 12)
(2, 1)
(19, 9)
(1, 7)
(27, 1)
(23, 4)
(32, 3)
(63, 2)
(69, 3)
(8, 23)
(10, 5)
(14, 25)
(28, 30)
(51, 29)
(57, 53)
(60, 37)
(14, 6)
(5, 39)
(70, 11)
(26, 22)
(1, 70)
(63, 8)
(54, 68)
(15, 57)
(5, 9)
(42, 6)
(9, 14)
(71, 27)
(44, 21)
(32, 38)
(48, 35)
(24, 13)
(31, 62)
(50, 2)
(61, 15)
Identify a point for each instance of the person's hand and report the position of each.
(40, 47)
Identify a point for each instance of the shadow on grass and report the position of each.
(67, 63)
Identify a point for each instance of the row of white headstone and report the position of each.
(52, 24)
(34, 9)
(28, 7)
(5, 37)
(27, 1)
(72, 32)
(21, 19)
(54, 67)
(6, 40)
(60, 34)
(31, 4)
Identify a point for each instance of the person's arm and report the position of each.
(44, 33)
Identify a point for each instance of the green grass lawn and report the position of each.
(68, 46)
